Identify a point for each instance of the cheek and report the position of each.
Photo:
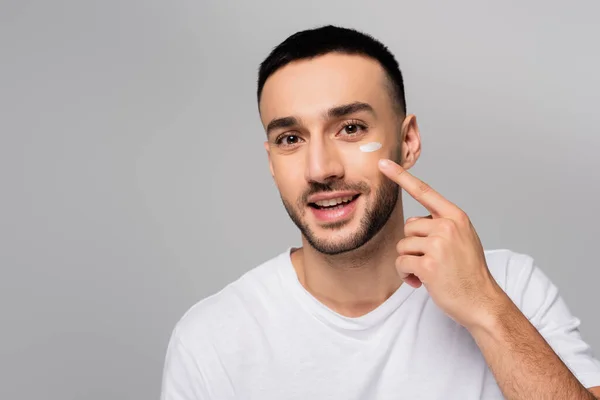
(370, 147)
(363, 165)
(288, 177)
(364, 155)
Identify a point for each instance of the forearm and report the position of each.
(524, 365)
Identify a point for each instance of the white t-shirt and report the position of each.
(265, 337)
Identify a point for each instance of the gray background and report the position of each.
(134, 181)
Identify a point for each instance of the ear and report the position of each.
(410, 145)
(268, 149)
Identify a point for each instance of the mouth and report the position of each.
(334, 210)
(333, 204)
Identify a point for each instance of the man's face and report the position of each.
(317, 114)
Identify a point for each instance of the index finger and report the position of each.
(434, 202)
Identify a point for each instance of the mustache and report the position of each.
(337, 186)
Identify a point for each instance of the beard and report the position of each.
(376, 216)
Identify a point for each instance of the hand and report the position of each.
(443, 252)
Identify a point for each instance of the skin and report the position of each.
(357, 281)
(355, 266)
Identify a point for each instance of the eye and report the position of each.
(287, 140)
(353, 128)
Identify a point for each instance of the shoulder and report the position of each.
(539, 300)
(230, 308)
(508, 266)
(522, 279)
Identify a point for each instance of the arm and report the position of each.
(443, 253)
(524, 365)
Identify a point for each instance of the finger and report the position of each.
(416, 226)
(413, 281)
(412, 245)
(434, 202)
(416, 218)
(407, 267)
(421, 227)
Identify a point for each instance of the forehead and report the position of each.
(307, 87)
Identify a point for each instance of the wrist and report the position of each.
(497, 309)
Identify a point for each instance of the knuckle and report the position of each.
(462, 217)
(447, 226)
(400, 247)
(399, 174)
(399, 263)
(437, 243)
(428, 263)
(424, 187)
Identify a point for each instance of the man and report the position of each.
(370, 307)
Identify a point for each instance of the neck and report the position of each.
(356, 282)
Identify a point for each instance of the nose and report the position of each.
(323, 161)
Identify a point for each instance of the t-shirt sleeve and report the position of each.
(539, 300)
(182, 379)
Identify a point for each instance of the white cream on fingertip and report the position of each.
(369, 147)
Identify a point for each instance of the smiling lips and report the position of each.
(333, 207)
(333, 202)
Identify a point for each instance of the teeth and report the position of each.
(333, 202)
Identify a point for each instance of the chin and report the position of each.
(335, 242)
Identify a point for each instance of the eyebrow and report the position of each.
(335, 112)
(347, 109)
(278, 123)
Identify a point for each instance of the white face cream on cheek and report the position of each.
(369, 147)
